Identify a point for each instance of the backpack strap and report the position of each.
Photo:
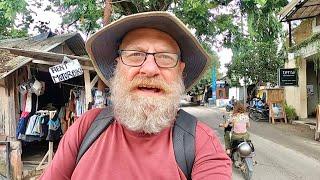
(184, 133)
(101, 122)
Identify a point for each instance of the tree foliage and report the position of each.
(87, 16)
(256, 53)
(9, 9)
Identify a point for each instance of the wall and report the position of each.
(237, 92)
(3, 107)
(221, 93)
(8, 122)
(312, 80)
(297, 96)
(303, 31)
(315, 28)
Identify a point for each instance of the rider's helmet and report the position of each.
(244, 149)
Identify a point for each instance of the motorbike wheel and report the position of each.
(247, 169)
(228, 109)
(251, 114)
(254, 115)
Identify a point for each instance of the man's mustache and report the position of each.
(154, 82)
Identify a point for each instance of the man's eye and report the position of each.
(164, 56)
(136, 54)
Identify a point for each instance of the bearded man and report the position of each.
(149, 60)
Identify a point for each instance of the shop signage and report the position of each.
(66, 70)
(288, 77)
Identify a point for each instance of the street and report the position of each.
(280, 155)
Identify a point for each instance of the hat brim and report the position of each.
(103, 45)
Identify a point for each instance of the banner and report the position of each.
(66, 70)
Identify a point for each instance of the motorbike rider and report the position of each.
(239, 121)
(232, 101)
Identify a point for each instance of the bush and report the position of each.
(290, 112)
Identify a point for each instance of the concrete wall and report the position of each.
(297, 96)
(315, 28)
(312, 80)
(237, 92)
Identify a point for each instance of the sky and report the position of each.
(55, 20)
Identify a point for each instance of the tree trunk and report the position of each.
(107, 12)
(106, 20)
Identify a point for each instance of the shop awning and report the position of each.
(23, 57)
(40, 49)
(300, 9)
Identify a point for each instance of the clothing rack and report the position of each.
(71, 84)
(47, 112)
(50, 153)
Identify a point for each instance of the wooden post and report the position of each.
(87, 86)
(317, 132)
(290, 34)
(50, 152)
(94, 81)
(48, 155)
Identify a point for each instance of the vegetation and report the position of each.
(9, 9)
(88, 16)
(256, 54)
(249, 27)
(290, 112)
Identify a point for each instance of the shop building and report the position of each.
(35, 111)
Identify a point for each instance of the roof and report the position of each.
(300, 9)
(43, 42)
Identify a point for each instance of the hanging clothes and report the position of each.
(28, 106)
(80, 103)
(54, 131)
(33, 126)
(21, 126)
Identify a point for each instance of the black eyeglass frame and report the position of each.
(145, 57)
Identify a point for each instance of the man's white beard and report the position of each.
(142, 113)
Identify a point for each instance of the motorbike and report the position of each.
(259, 112)
(229, 106)
(241, 154)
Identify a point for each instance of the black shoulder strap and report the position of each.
(184, 133)
(101, 122)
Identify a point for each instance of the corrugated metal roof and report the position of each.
(10, 63)
(300, 9)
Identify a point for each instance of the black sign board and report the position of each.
(288, 77)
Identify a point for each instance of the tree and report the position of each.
(88, 16)
(256, 54)
(9, 9)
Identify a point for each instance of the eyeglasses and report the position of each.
(137, 58)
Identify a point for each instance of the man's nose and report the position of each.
(149, 68)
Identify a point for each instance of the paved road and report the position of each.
(280, 156)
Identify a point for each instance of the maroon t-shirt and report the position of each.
(120, 154)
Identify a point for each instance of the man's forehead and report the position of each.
(147, 33)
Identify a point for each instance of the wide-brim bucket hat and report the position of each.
(103, 46)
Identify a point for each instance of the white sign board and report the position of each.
(65, 71)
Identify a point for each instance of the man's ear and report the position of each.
(117, 60)
(182, 65)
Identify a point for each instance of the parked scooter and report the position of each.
(259, 111)
(229, 106)
(241, 154)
